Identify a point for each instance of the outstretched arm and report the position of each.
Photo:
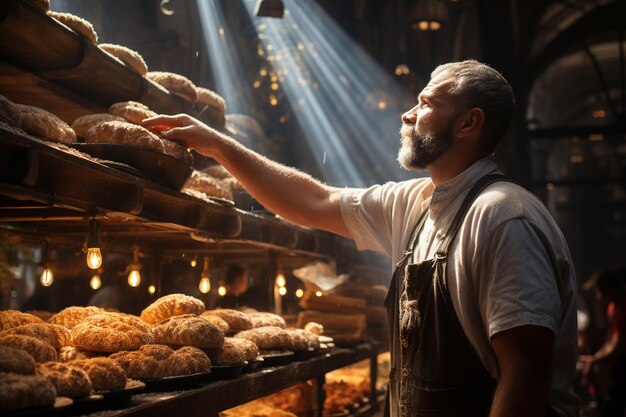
(290, 193)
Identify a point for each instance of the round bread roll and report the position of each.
(55, 335)
(123, 133)
(236, 320)
(228, 354)
(19, 392)
(132, 111)
(110, 332)
(38, 349)
(82, 124)
(71, 316)
(249, 348)
(68, 381)
(77, 24)
(188, 330)
(185, 361)
(218, 321)
(270, 337)
(16, 361)
(43, 5)
(263, 319)
(297, 340)
(36, 121)
(177, 151)
(70, 353)
(211, 98)
(145, 363)
(105, 374)
(171, 305)
(14, 318)
(176, 84)
(204, 183)
(129, 57)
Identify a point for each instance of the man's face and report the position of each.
(428, 127)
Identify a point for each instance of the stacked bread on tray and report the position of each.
(82, 350)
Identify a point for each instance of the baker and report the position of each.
(481, 306)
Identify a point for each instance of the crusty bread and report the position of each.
(19, 392)
(38, 349)
(105, 374)
(187, 360)
(110, 332)
(176, 84)
(82, 124)
(218, 321)
(16, 361)
(71, 316)
(55, 335)
(70, 353)
(129, 57)
(264, 319)
(234, 352)
(36, 121)
(14, 318)
(236, 320)
(68, 381)
(77, 24)
(157, 361)
(212, 107)
(132, 111)
(123, 133)
(188, 330)
(211, 98)
(171, 305)
(177, 150)
(204, 183)
(270, 337)
(298, 340)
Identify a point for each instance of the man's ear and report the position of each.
(470, 122)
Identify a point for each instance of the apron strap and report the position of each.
(408, 251)
(477, 188)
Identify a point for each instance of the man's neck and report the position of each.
(448, 166)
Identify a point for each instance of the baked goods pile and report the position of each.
(347, 387)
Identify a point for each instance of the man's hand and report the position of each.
(187, 131)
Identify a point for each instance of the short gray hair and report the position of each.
(481, 86)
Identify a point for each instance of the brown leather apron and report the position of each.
(435, 372)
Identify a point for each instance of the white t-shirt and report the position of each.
(501, 265)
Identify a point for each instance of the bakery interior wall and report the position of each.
(563, 59)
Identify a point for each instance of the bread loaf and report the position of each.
(19, 392)
(110, 332)
(105, 374)
(68, 381)
(55, 335)
(188, 330)
(16, 361)
(129, 57)
(77, 24)
(176, 84)
(39, 350)
(14, 318)
(171, 305)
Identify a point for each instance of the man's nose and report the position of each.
(409, 117)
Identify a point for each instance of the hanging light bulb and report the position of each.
(134, 277)
(280, 280)
(151, 289)
(205, 281)
(299, 293)
(221, 290)
(318, 293)
(47, 277)
(94, 256)
(282, 290)
(193, 262)
(95, 282)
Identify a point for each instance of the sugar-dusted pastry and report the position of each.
(83, 123)
(297, 339)
(171, 305)
(38, 349)
(236, 319)
(176, 150)
(132, 111)
(71, 316)
(70, 353)
(270, 337)
(20, 392)
(231, 353)
(188, 330)
(14, 318)
(176, 84)
(53, 334)
(129, 57)
(16, 361)
(69, 381)
(264, 319)
(111, 332)
(157, 361)
(77, 24)
(249, 348)
(105, 374)
(205, 183)
(218, 321)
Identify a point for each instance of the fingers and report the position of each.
(179, 120)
